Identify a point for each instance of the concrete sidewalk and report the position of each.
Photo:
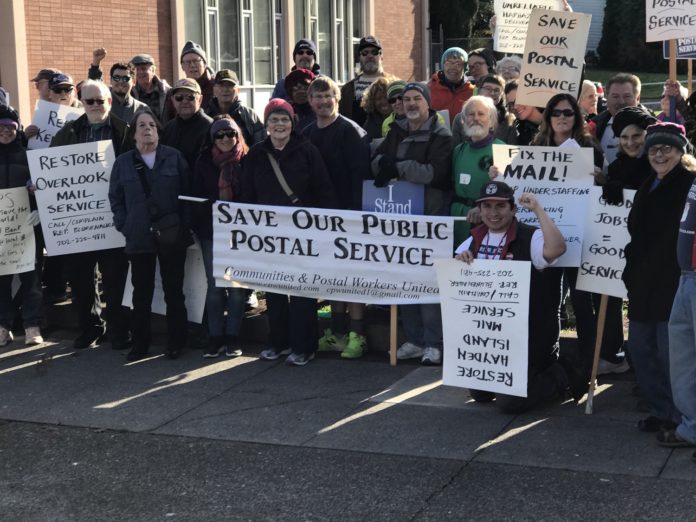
(373, 418)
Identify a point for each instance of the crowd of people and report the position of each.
(315, 146)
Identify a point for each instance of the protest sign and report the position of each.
(512, 20)
(553, 56)
(354, 256)
(400, 197)
(606, 236)
(669, 19)
(485, 313)
(72, 192)
(560, 178)
(17, 243)
(195, 287)
(686, 49)
(50, 118)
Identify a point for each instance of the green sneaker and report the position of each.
(356, 346)
(330, 343)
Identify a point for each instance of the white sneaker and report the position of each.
(5, 336)
(32, 335)
(605, 367)
(409, 351)
(432, 356)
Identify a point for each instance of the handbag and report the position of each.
(281, 179)
(167, 229)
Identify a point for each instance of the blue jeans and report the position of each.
(648, 343)
(220, 300)
(422, 324)
(682, 355)
(29, 296)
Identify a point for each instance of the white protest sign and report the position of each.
(669, 19)
(606, 236)
(360, 257)
(72, 193)
(560, 178)
(512, 20)
(553, 56)
(485, 313)
(17, 243)
(50, 118)
(195, 287)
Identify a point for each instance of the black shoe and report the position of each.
(89, 337)
(137, 353)
(173, 352)
(121, 343)
(654, 424)
(578, 380)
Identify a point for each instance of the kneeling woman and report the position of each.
(144, 189)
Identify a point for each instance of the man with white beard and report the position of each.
(471, 160)
(371, 69)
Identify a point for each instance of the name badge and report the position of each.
(464, 179)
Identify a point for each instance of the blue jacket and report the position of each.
(169, 178)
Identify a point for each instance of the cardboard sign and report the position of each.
(17, 243)
(554, 53)
(195, 287)
(50, 118)
(606, 236)
(686, 49)
(72, 193)
(669, 19)
(485, 314)
(560, 178)
(360, 257)
(512, 20)
(400, 197)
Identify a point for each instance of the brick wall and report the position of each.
(398, 26)
(63, 33)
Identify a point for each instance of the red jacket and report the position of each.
(442, 97)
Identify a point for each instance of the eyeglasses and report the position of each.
(187, 63)
(230, 133)
(182, 97)
(557, 113)
(92, 101)
(664, 149)
(305, 52)
(121, 79)
(370, 52)
(395, 99)
(280, 120)
(62, 90)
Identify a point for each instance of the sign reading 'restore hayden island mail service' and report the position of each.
(560, 178)
(485, 311)
(361, 257)
(512, 20)
(72, 192)
(669, 19)
(554, 53)
(49, 118)
(17, 242)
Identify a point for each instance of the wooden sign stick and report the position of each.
(598, 345)
(393, 323)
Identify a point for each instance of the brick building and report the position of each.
(253, 37)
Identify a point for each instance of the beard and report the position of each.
(370, 67)
(475, 131)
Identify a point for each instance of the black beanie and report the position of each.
(665, 133)
(631, 116)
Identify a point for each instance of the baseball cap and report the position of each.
(369, 41)
(187, 84)
(44, 74)
(226, 75)
(59, 79)
(496, 190)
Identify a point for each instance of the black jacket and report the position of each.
(246, 119)
(187, 136)
(70, 133)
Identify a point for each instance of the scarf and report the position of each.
(228, 163)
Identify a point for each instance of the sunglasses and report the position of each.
(305, 52)
(182, 97)
(92, 101)
(395, 99)
(368, 52)
(62, 90)
(557, 113)
(123, 79)
(231, 133)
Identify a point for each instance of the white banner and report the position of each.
(49, 118)
(195, 287)
(554, 53)
(17, 243)
(485, 313)
(606, 236)
(669, 19)
(560, 178)
(361, 257)
(512, 20)
(72, 193)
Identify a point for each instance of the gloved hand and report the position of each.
(33, 219)
(387, 171)
(612, 192)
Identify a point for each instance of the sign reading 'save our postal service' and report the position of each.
(669, 19)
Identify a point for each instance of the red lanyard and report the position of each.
(502, 240)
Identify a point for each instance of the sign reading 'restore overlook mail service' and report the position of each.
(355, 256)
(72, 192)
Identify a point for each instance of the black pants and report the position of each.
(113, 265)
(292, 322)
(143, 279)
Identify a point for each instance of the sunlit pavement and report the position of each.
(87, 436)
